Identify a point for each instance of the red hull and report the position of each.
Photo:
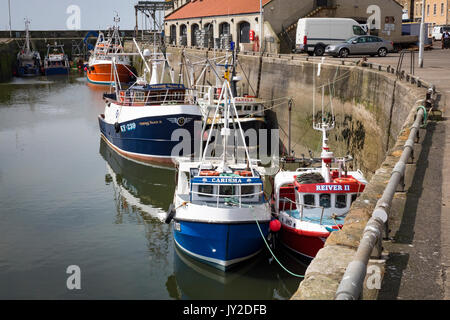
(102, 73)
(306, 244)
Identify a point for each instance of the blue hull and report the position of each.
(29, 72)
(220, 245)
(56, 71)
(146, 138)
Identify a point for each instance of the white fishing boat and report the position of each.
(220, 214)
(28, 60)
(139, 120)
(56, 61)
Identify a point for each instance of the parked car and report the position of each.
(314, 34)
(438, 31)
(370, 45)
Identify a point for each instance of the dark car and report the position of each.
(370, 45)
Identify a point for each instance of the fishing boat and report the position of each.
(139, 120)
(312, 202)
(56, 61)
(250, 109)
(99, 69)
(28, 60)
(220, 214)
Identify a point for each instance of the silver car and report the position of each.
(370, 45)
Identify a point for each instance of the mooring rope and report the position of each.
(273, 255)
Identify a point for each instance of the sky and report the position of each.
(52, 14)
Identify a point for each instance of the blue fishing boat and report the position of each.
(28, 60)
(220, 215)
(56, 61)
(139, 121)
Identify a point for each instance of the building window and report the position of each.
(244, 32)
(434, 9)
(428, 9)
(442, 9)
(224, 28)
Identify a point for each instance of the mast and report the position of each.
(323, 126)
(27, 37)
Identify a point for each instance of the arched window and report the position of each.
(183, 35)
(194, 30)
(173, 34)
(244, 32)
(224, 28)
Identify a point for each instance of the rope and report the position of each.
(273, 255)
(425, 116)
(270, 250)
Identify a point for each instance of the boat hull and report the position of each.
(221, 245)
(147, 139)
(307, 244)
(56, 71)
(102, 73)
(28, 72)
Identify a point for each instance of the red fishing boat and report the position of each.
(311, 203)
(99, 69)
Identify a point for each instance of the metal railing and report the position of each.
(143, 98)
(300, 208)
(234, 199)
(351, 285)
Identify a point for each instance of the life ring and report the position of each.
(243, 173)
(345, 180)
(209, 173)
(122, 96)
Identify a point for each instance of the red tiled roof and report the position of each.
(210, 8)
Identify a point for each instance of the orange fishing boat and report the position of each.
(99, 69)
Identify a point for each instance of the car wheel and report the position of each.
(382, 52)
(344, 53)
(319, 50)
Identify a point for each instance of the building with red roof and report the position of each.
(215, 23)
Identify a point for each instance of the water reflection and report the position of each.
(147, 188)
(259, 278)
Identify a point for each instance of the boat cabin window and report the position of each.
(341, 201)
(227, 190)
(309, 200)
(206, 190)
(238, 108)
(239, 194)
(245, 190)
(248, 108)
(354, 196)
(139, 96)
(325, 200)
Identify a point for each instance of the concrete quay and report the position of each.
(416, 256)
(419, 248)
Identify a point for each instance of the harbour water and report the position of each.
(67, 199)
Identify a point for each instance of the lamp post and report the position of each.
(422, 36)
(9, 10)
(261, 23)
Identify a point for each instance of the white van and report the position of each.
(438, 31)
(315, 34)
